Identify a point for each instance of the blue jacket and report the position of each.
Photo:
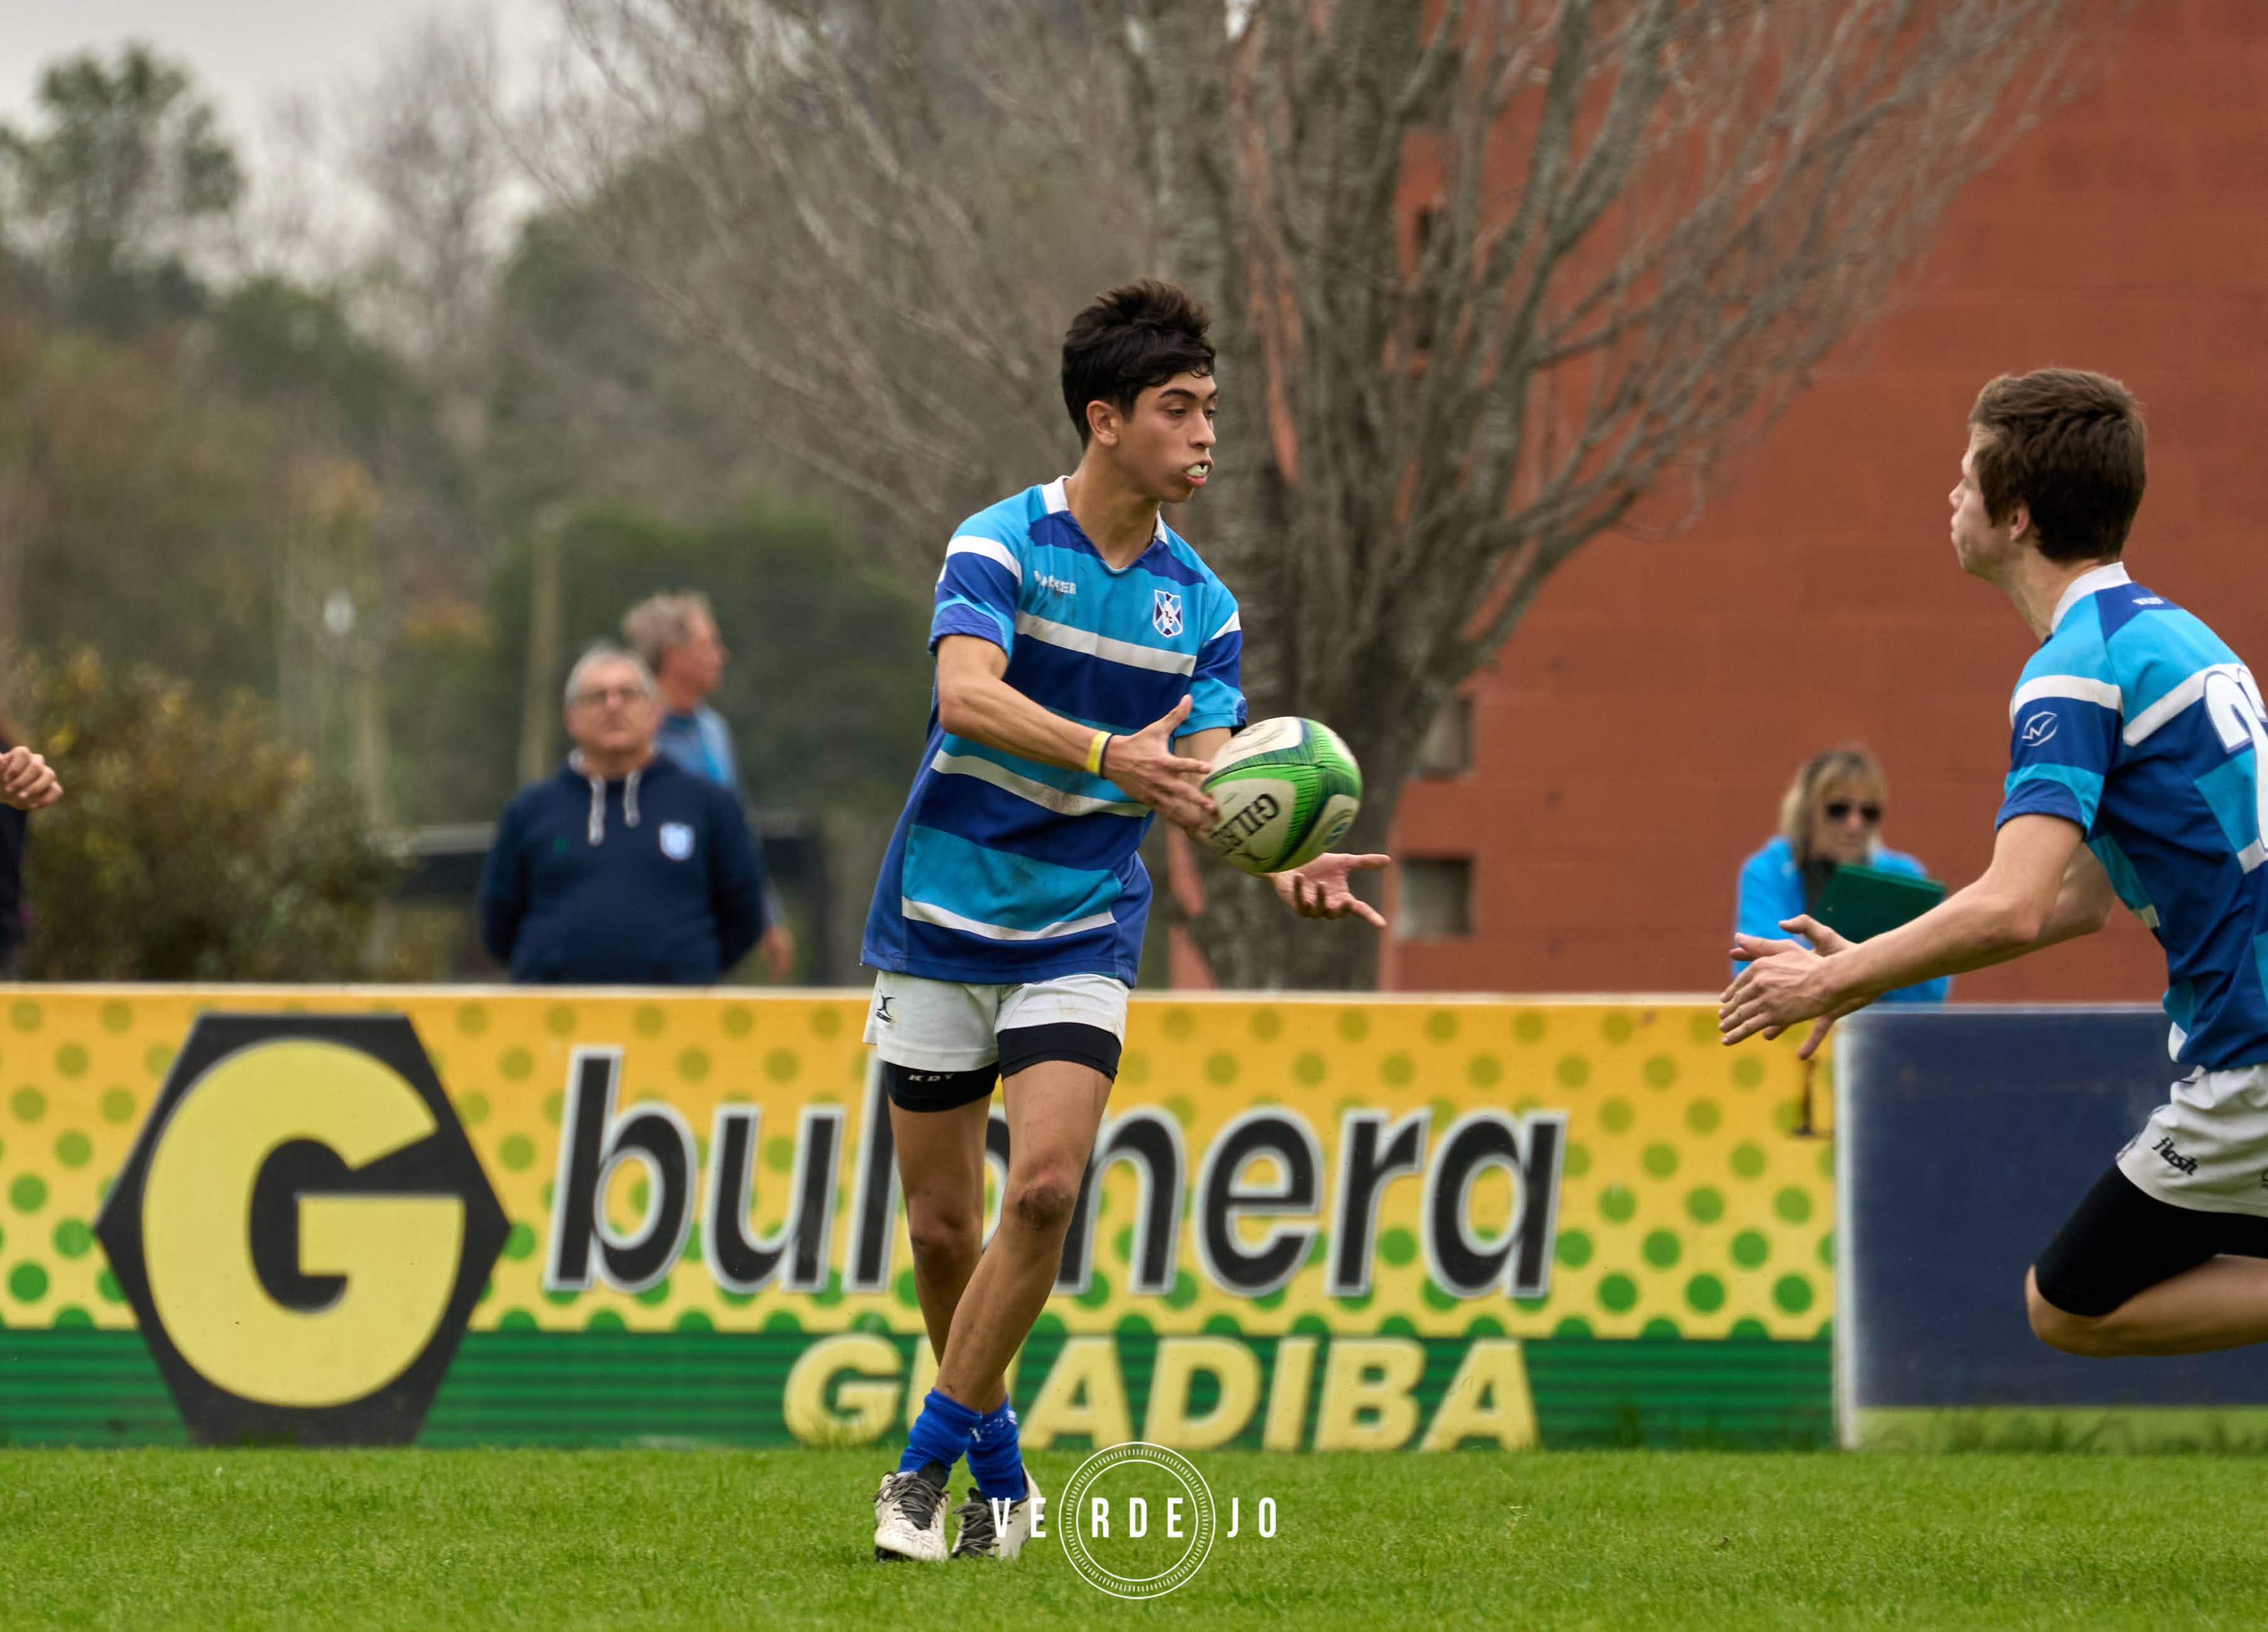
(652, 879)
(1771, 889)
(702, 742)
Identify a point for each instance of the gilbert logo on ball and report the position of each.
(1287, 791)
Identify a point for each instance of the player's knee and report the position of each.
(942, 1236)
(1043, 1201)
(2060, 1329)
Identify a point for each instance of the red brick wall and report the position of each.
(1633, 739)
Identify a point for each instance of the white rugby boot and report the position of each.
(909, 1515)
(983, 1536)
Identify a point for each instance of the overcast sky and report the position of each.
(247, 54)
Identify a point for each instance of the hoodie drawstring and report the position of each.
(596, 828)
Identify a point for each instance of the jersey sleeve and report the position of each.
(977, 591)
(2063, 730)
(1216, 688)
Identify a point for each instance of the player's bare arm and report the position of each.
(27, 782)
(974, 700)
(2084, 901)
(2037, 890)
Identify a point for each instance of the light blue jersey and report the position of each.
(1004, 870)
(2134, 720)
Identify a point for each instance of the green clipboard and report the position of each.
(1859, 902)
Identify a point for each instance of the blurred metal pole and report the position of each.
(539, 706)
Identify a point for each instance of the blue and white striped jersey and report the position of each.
(1004, 870)
(2136, 721)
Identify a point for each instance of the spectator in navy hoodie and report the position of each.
(623, 869)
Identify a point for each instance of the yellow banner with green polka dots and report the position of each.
(1556, 1208)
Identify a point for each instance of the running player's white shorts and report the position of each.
(943, 1025)
(2207, 1147)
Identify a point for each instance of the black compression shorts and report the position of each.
(1021, 1047)
(2121, 1239)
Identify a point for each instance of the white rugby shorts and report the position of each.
(2206, 1148)
(943, 1025)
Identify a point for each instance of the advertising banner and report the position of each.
(1968, 1136)
(451, 1215)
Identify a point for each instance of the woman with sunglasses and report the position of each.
(1830, 817)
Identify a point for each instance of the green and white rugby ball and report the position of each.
(1288, 790)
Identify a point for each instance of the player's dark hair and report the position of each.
(1132, 337)
(2069, 445)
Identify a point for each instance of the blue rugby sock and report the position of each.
(940, 1434)
(996, 1458)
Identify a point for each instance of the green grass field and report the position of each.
(151, 1539)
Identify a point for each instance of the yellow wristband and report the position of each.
(1094, 753)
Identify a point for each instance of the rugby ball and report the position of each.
(1287, 789)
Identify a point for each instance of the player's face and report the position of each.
(1981, 547)
(1843, 822)
(1166, 444)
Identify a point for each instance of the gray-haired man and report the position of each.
(623, 869)
(676, 636)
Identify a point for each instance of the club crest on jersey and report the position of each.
(676, 840)
(1165, 612)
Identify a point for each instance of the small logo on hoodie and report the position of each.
(676, 840)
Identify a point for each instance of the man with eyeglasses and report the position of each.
(1831, 817)
(623, 868)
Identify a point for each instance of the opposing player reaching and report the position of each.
(2139, 773)
(1086, 671)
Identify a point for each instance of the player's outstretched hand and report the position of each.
(1825, 942)
(1146, 765)
(1780, 989)
(1318, 889)
(1785, 985)
(27, 782)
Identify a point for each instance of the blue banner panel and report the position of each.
(1965, 1137)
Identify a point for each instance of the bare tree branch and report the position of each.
(875, 212)
(1485, 273)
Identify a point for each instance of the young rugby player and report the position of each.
(1086, 672)
(2137, 743)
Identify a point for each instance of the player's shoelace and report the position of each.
(915, 1498)
(976, 1534)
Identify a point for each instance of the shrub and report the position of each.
(190, 844)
